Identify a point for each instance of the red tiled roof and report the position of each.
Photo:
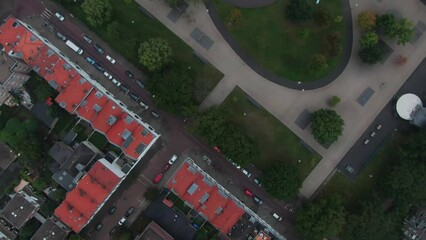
(77, 94)
(85, 199)
(191, 186)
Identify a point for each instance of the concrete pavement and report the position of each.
(287, 104)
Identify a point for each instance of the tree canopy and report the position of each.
(318, 63)
(371, 55)
(98, 12)
(389, 24)
(155, 54)
(326, 126)
(367, 20)
(172, 89)
(321, 219)
(298, 10)
(214, 125)
(369, 39)
(282, 181)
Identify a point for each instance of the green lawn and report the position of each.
(98, 139)
(141, 30)
(275, 141)
(363, 188)
(276, 44)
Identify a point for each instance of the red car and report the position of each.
(248, 193)
(216, 149)
(157, 178)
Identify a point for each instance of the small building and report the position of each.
(415, 226)
(154, 232)
(52, 229)
(6, 232)
(7, 157)
(19, 210)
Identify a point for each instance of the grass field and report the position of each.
(275, 141)
(141, 30)
(276, 44)
(363, 188)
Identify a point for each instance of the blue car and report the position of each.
(90, 60)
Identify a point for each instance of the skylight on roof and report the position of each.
(192, 189)
(50, 52)
(32, 38)
(139, 149)
(144, 132)
(82, 81)
(66, 66)
(97, 108)
(126, 133)
(98, 94)
(111, 120)
(204, 198)
(128, 119)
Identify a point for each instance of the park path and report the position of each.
(287, 104)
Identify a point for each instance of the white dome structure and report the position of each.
(409, 107)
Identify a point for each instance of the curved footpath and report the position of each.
(265, 73)
(250, 3)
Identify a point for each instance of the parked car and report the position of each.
(173, 159)
(129, 211)
(157, 178)
(112, 210)
(98, 227)
(59, 16)
(116, 82)
(349, 169)
(248, 192)
(277, 217)
(99, 67)
(107, 75)
(155, 114)
(144, 105)
(86, 38)
(257, 200)
(134, 96)
(113, 230)
(99, 48)
(61, 36)
(129, 74)
(247, 173)
(110, 59)
(122, 220)
(165, 168)
(140, 83)
(216, 148)
(257, 181)
(90, 60)
(124, 88)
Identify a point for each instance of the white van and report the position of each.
(74, 47)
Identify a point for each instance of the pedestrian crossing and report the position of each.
(46, 13)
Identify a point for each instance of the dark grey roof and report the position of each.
(60, 152)
(18, 211)
(82, 155)
(6, 231)
(50, 230)
(40, 112)
(64, 179)
(69, 137)
(6, 156)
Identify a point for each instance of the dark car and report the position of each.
(86, 38)
(129, 211)
(98, 227)
(155, 114)
(113, 230)
(129, 74)
(98, 48)
(257, 181)
(134, 96)
(112, 210)
(99, 67)
(140, 83)
(257, 200)
(124, 88)
(90, 60)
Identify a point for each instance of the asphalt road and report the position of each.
(359, 155)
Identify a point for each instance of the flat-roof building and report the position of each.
(51, 229)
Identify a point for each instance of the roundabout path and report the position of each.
(287, 104)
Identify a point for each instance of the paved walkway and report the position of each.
(286, 104)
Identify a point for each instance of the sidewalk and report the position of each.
(287, 104)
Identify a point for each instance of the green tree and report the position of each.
(155, 54)
(389, 25)
(282, 181)
(415, 147)
(235, 16)
(334, 47)
(322, 17)
(405, 32)
(75, 236)
(334, 101)
(371, 55)
(367, 20)
(98, 12)
(304, 33)
(369, 39)
(321, 219)
(318, 63)
(298, 10)
(326, 126)
(372, 224)
(113, 29)
(172, 89)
